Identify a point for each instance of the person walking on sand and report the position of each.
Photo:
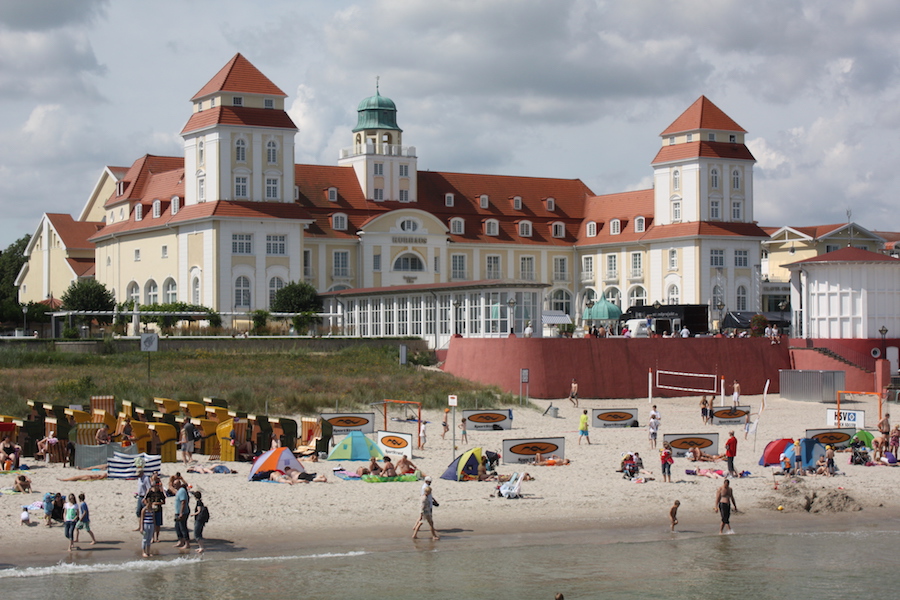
(465, 438)
(70, 519)
(731, 452)
(182, 510)
(673, 514)
(422, 434)
(187, 442)
(84, 519)
(736, 394)
(584, 427)
(425, 514)
(653, 431)
(666, 460)
(148, 524)
(724, 502)
(573, 393)
(201, 516)
(444, 424)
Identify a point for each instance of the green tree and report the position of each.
(89, 295)
(11, 261)
(299, 298)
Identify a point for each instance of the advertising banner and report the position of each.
(391, 442)
(488, 420)
(523, 451)
(614, 417)
(344, 423)
(839, 438)
(682, 442)
(849, 418)
(726, 415)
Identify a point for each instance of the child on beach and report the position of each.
(84, 520)
(70, 514)
(201, 516)
(673, 514)
(465, 438)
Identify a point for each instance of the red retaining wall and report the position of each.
(855, 380)
(613, 367)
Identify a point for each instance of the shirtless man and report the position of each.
(388, 470)
(404, 466)
(696, 454)
(736, 394)
(553, 461)
(829, 460)
(724, 502)
(573, 393)
(884, 425)
(102, 436)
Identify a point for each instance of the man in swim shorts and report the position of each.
(724, 502)
(584, 427)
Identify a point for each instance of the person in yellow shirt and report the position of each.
(584, 427)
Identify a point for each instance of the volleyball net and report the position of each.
(698, 383)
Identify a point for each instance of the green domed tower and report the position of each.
(385, 167)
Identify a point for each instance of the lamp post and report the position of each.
(883, 331)
(721, 307)
(512, 314)
(456, 317)
(25, 321)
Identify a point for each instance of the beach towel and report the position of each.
(380, 479)
(125, 466)
(347, 475)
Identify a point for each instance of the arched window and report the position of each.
(242, 292)
(639, 224)
(408, 225)
(736, 180)
(151, 293)
(492, 227)
(592, 229)
(525, 229)
(676, 180)
(275, 284)
(559, 230)
(134, 293)
(672, 296)
(272, 152)
(561, 300)
(339, 222)
(637, 296)
(138, 212)
(240, 151)
(614, 295)
(408, 262)
(195, 291)
(714, 179)
(175, 204)
(615, 227)
(741, 298)
(170, 288)
(457, 226)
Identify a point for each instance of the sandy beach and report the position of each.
(579, 499)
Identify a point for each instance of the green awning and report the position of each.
(602, 310)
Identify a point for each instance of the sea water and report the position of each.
(745, 566)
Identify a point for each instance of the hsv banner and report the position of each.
(726, 415)
(344, 423)
(391, 442)
(614, 417)
(524, 450)
(850, 418)
(682, 442)
(836, 437)
(488, 420)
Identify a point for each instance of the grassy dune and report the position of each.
(296, 382)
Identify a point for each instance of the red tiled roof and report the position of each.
(688, 150)
(702, 114)
(239, 115)
(625, 206)
(239, 75)
(705, 229)
(139, 174)
(74, 234)
(53, 303)
(83, 267)
(847, 254)
(205, 210)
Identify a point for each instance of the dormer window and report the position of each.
(492, 227)
(551, 204)
(711, 137)
(525, 229)
(332, 194)
(484, 201)
(517, 202)
(269, 103)
(690, 137)
(237, 101)
(639, 224)
(157, 209)
(615, 227)
(672, 140)
(120, 188)
(732, 138)
(457, 226)
(592, 229)
(339, 222)
(175, 205)
(138, 212)
(558, 229)
(212, 102)
(448, 200)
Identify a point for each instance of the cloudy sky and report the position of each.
(562, 88)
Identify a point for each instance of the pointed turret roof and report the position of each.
(702, 114)
(239, 75)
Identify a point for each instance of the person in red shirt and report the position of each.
(731, 452)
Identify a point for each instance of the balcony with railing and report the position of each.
(636, 275)
(587, 276)
(341, 273)
(560, 276)
(459, 275)
(493, 274)
(527, 275)
(611, 276)
(379, 150)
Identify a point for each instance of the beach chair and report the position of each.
(511, 489)
(107, 403)
(167, 446)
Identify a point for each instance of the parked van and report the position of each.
(638, 328)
